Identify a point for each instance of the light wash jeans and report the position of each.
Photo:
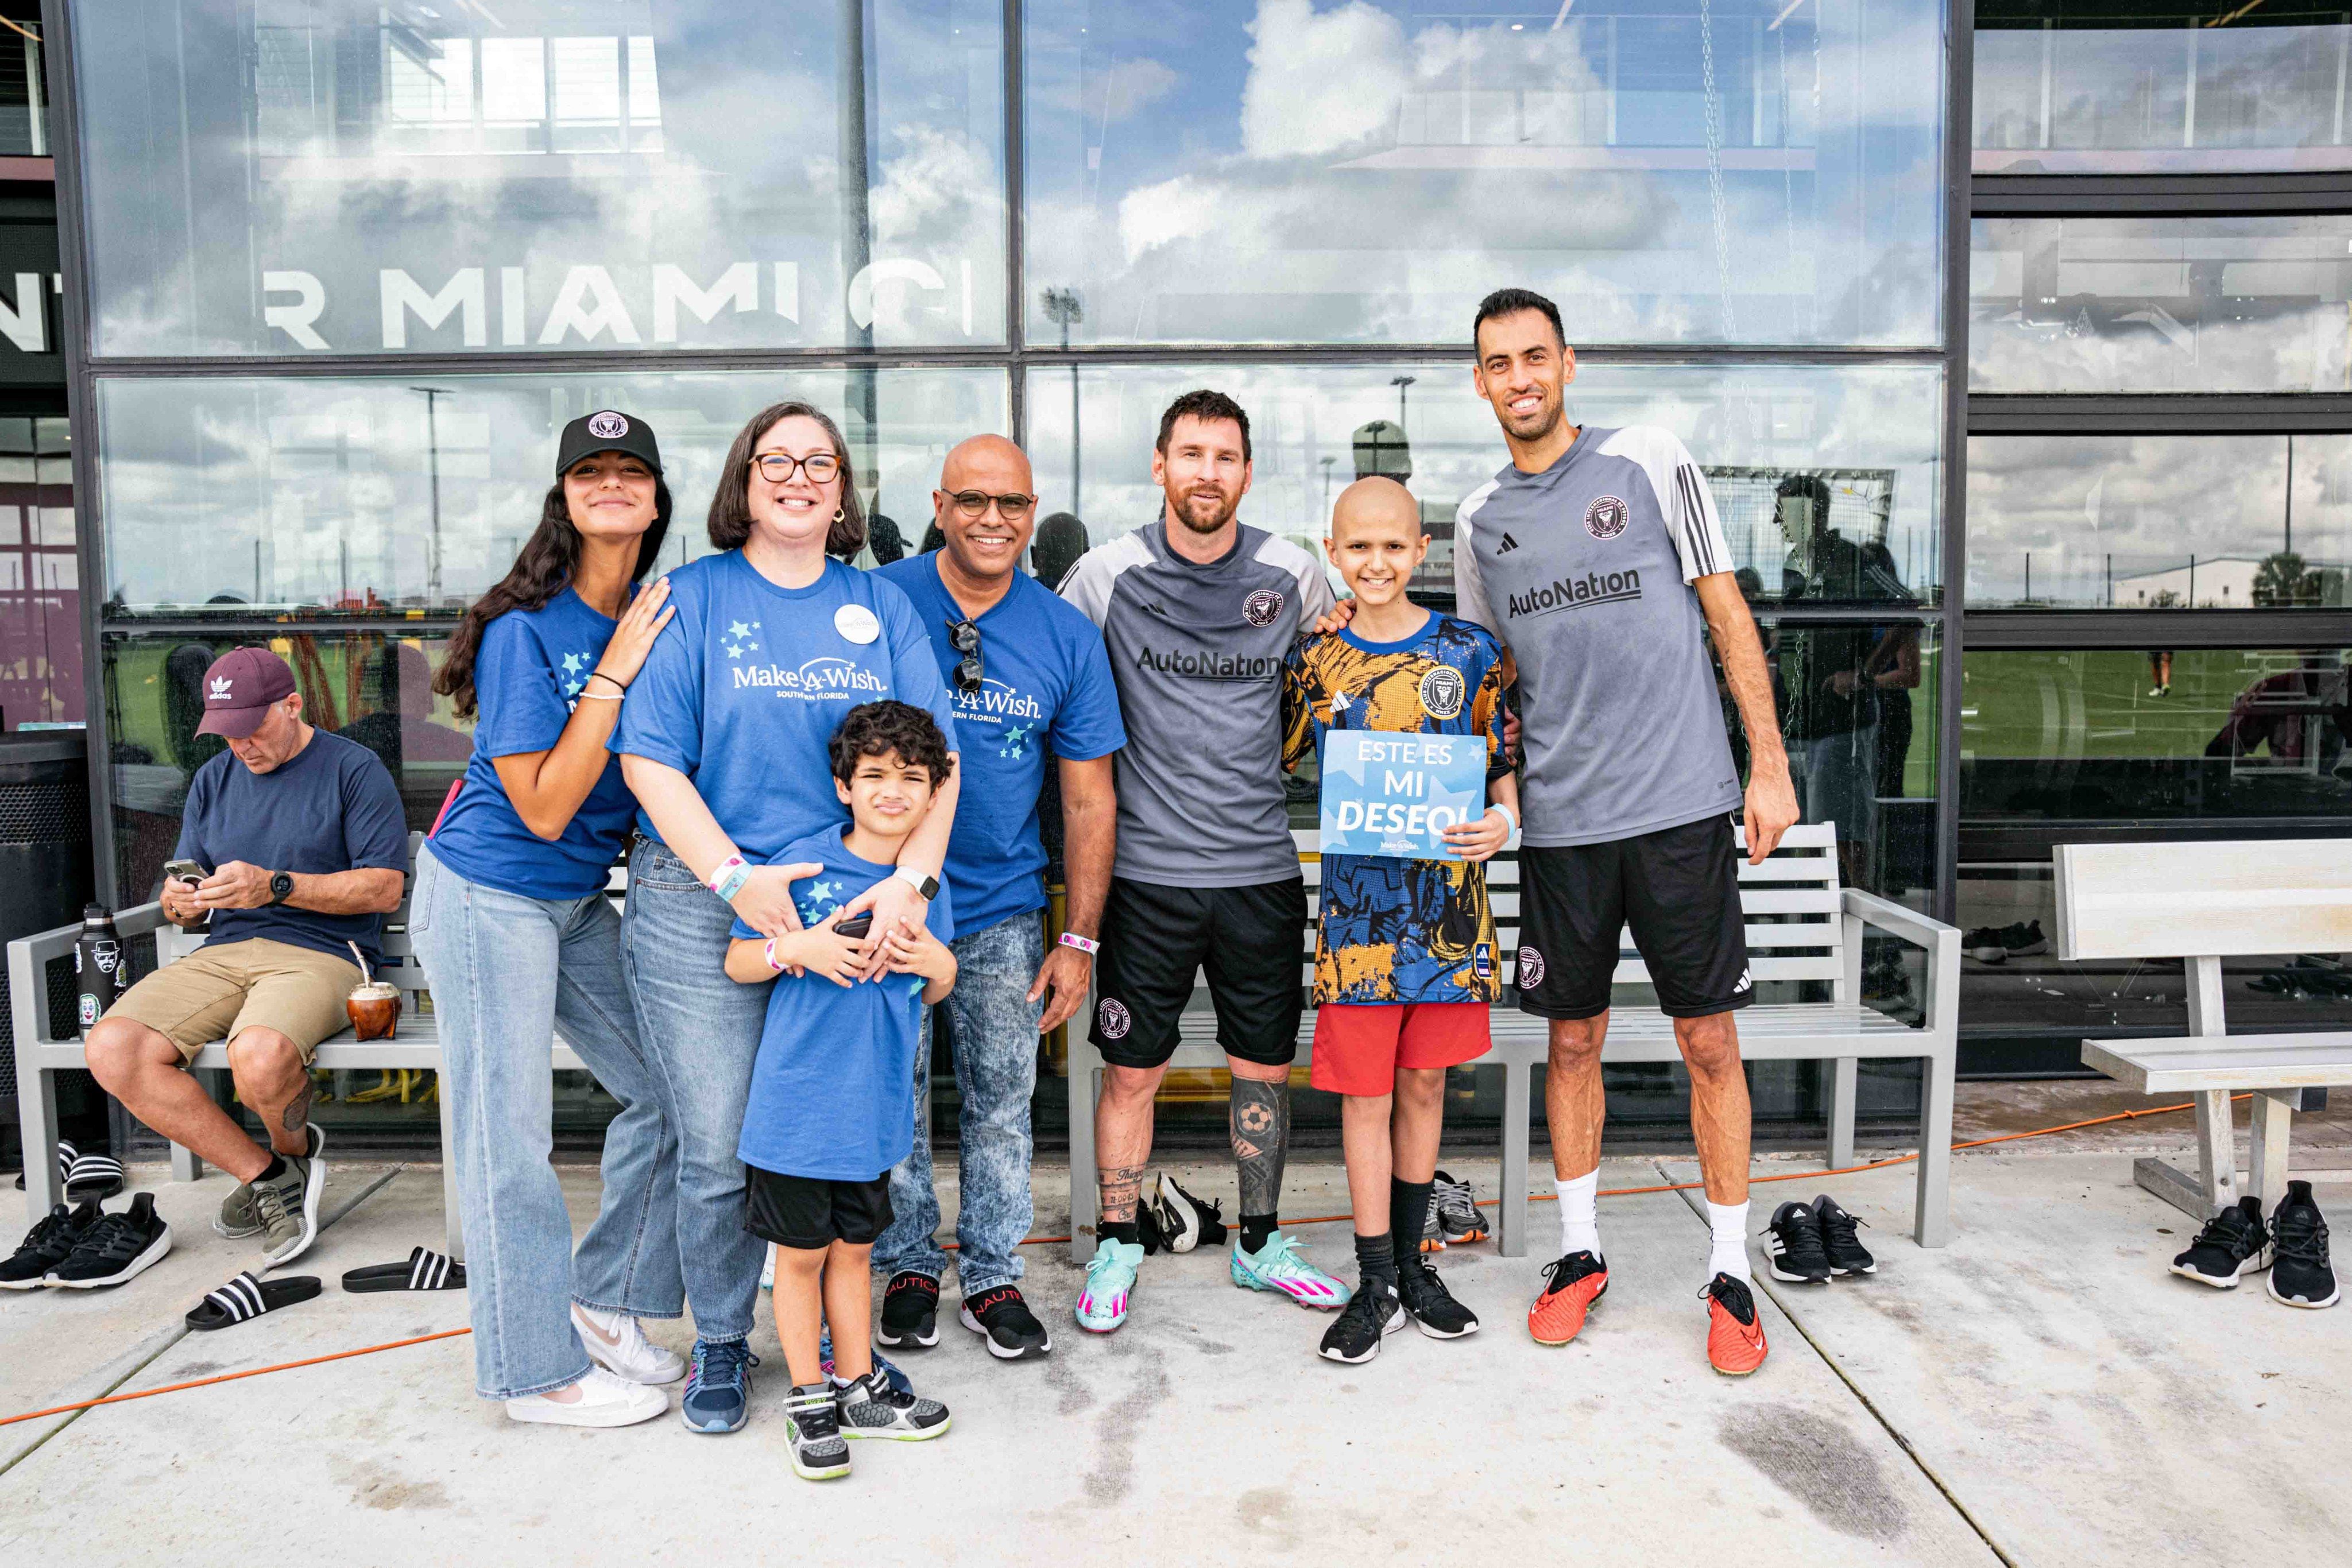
(996, 1027)
(702, 1035)
(508, 972)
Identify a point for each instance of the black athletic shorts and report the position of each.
(814, 1212)
(1677, 888)
(1251, 940)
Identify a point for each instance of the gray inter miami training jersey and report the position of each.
(1584, 569)
(1197, 651)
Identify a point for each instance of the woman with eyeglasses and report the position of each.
(724, 741)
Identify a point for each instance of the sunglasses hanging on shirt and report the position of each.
(963, 636)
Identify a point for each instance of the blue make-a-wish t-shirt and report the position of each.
(330, 807)
(832, 1092)
(529, 675)
(1045, 683)
(745, 686)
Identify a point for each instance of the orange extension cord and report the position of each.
(1036, 1240)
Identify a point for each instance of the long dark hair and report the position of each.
(730, 504)
(545, 564)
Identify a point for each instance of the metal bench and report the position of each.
(1801, 926)
(2201, 903)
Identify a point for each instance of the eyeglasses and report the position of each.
(778, 467)
(972, 505)
(963, 636)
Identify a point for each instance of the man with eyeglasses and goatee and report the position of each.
(1030, 682)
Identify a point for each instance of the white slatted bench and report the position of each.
(1801, 926)
(2203, 903)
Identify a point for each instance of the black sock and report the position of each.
(1255, 1229)
(1408, 1217)
(1376, 1259)
(277, 1168)
(1120, 1230)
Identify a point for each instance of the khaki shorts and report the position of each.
(216, 992)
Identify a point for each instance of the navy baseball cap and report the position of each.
(607, 430)
(238, 690)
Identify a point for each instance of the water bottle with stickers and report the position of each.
(101, 968)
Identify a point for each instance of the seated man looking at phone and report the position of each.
(293, 844)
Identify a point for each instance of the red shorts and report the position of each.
(1358, 1048)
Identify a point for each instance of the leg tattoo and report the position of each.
(1120, 1187)
(1261, 1133)
(298, 1110)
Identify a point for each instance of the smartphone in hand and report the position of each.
(856, 925)
(188, 871)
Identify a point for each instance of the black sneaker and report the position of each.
(1431, 1305)
(1453, 1209)
(2233, 1242)
(117, 1249)
(1371, 1314)
(873, 1407)
(2024, 940)
(1984, 945)
(2301, 1275)
(1182, 1220)
(1847, 1254)
(1793, 1244)
(49, 1243)
(911, 1312)
(812, 1422)
(1001, 1318)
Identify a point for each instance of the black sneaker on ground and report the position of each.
(2301, 1275)
(873, 1407)
(1371, 1314)
(117, 1249)
(1184, 1221)
(1984, 945)
(1430, 1305)
(911, 1312)
(2024, 940)
(1455, 1210)
(1847, 1254)
(47, 1244)
(1793, 1244)
(1001, 1318)
(2233, 1242)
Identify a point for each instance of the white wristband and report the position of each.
(768, 950)
(1083, 943)
(729, 879)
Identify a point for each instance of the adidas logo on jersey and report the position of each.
(1507, 546)
(1745, 983)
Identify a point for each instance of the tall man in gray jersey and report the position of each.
(1197, 612)
(1597, 556)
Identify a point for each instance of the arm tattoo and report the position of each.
(298, 1110)
(1261, 1133)
(1121, 1184)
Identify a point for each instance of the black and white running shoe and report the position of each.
(1453, 1207)
(1793, 1244)
(1430, 1305)
(1001, 1318)
(1371, 1314)
(1847, 1254)
(118, 1248)
(49, 1243)
(873, 1407)
(1184, 1221)
(1984, 945)
(2301, 1275)
(93, 1178)
(911, 1312)
(2233, 1242)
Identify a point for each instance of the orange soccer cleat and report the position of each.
(1576, 1282)
(1735, 1334)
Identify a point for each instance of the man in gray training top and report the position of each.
(1597, 557)
(1198, 612)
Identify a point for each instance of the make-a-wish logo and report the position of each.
(738, 639)
(993, 702)
(823, 679)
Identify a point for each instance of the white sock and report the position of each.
(1727, 1251)
(1579, 1228)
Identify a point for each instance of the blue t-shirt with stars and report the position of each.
(832, 1091)
(528, 674)
(746, 684)
(1046, 691)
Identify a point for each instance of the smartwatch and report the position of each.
(281, 887)
(927, 886)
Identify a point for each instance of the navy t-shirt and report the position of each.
(1046, 682)
(746, 684)
(528, 676)
(330, 808)
(832, 1091)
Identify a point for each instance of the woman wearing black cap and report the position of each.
(518, 939)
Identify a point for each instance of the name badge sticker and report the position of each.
(857, 622)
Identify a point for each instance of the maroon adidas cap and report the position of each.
(238, 690)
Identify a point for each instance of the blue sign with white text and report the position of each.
(1387, 793)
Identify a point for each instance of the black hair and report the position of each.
(877, 729)
(730, 523)
(1204, 404)
(1510, 302)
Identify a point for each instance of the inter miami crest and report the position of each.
(1605, 518)
(1260, 608)
(1442, 691)
(608, 426)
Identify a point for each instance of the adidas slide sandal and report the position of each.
(93, 1176)
(423, 1272)
(246, 1298)
(66, 1155)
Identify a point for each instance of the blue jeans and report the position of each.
(702, 1035)
(996, 1027)
(508, 973)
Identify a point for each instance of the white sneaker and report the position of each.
(604, 1401)
(617, 1344)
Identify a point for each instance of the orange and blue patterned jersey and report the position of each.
(1391, 930)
